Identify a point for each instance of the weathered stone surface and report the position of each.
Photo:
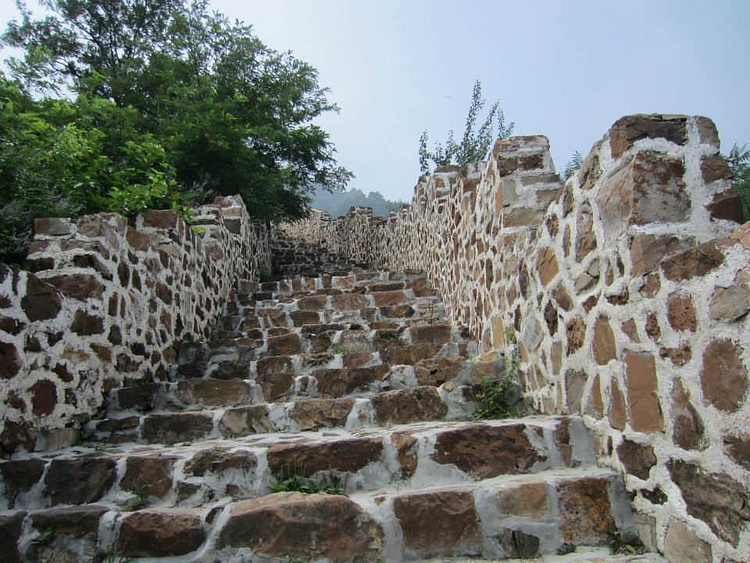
(687, 427)
(576, 331)
(305, 459)
(160, 533)
(530, 500)
(575, 381)
(148, 476)
(340, 382)
(80, 480)
(312, 302)
(314, 414)
(643, 399)
(10, 362)
(409, 405)
(617, 415)
(76, 521)
(408, 355)
(681, 313)
(518, 544)
(430, 334)
(10, 532)
(604, 347)
(730, 303)
(406, 450)
(585, 237)
(678, 356)
(738, 448)
(310, 526)
(219, 460)
(595, 401)
(78, 286)
(284, 345)
(388, 298)
(724, 378)
(650, 189)
(717, 499)
(697, 261)
(726, 206)
(638, 459)
(627, 130)
(547, 266)
(19, 476)
(170, 428)
(585, 510)
(302, 318)
(487, 451)
(42, 301)
(214, 392)
(441, 523)
(349, 302)
(683, 544)
(43, 397)
(242, 421)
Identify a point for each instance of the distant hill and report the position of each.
(338, 203)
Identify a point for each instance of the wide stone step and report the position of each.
(398, 406)
(197, 473)
(520, 516)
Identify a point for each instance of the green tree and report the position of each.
(230, 114)
(573, 165)
(475, 143)
(739, 162)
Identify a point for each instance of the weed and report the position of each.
(502, 397)
(45, 537)
(264, 274)
(329, 484)
(624, 542)
(198, 229)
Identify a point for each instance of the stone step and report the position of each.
(399, 406)
(199, 472)
(493, 518)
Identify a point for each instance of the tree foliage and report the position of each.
(338, 204)
(573, 165)
(117, 104)
(475, 143)
(739, 162)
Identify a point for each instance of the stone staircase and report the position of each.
(354, 383)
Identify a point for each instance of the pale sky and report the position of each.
(564, 69)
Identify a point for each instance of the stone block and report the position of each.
(681, 313)
(315, 527)
(484, 451)
(42, 301)
(409, 405)
(647, 250)
(430, 334)
(11, 526)
(724, 377)
(148, 475)
(697, 261)
(19, 476)
(642, 393)
(306, 459)
(171, 428)
(730, 303)
(683, 544)
(84, 324)
(78, 286)
(629, 129)
(219, 460)
(284, 345)
(738, 448)
(727, 206)
(585, 510)
(529, 500)
(388, 298)
(43, 397)
(314, 414)
(546, 264)
(76, 521)
(214, 392)
(441, 523)
(80, 480)
(160, 533)
(687, 426)
(603, 345)
(243, 421)
(638, 459)
(10, 361)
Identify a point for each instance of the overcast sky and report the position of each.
(564, 69)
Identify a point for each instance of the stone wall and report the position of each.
(103, 302)
(627, 289)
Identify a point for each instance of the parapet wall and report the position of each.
(627, 290)
(104, 301)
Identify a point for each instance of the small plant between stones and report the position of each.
(624, 542)
(329, 484)
(502, 397)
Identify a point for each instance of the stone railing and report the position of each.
(103, 301)
(627, 290)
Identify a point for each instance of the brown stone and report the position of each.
(585, 510)
(76, 521)
(78, 286)
(430, 334)
(84, 324)
(160, 218)
(647, 250)
(19, 476)
(724, 378)
(726, 206)
(585, 238)
(679, 356)
(717, 499)
(575, 381)
(595, 402)
(683, 544)
(349, 302)
(618, 415)
(681, 313)
(43, 397)
(409, 405)
(643, 399)
(630, 329)
(441, 523)
(651, 285)
(297, 525)
(530, 500)
(522, 217)
(312, 302)
(576, 331)
(219, 460)
(10, 362)
(245, 420)
(306, 459)
(160, 533)
(284, 345)
(171, 428)
(339, 382)
(314, 414)
(485, 451)
(715, 168)
(687, 427)
(148, 476)
(42, 301)
(302, 318)
(603, 345)
(388, 298)
(697, 261)
(562, 298)
(707, 131)
(16, 435)
(406, 446)
(638, 459)
(653, 330)
(629, 129)
(11, 526)
(79, 480)
(546, 264)
(738, 448)
(730, 303)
